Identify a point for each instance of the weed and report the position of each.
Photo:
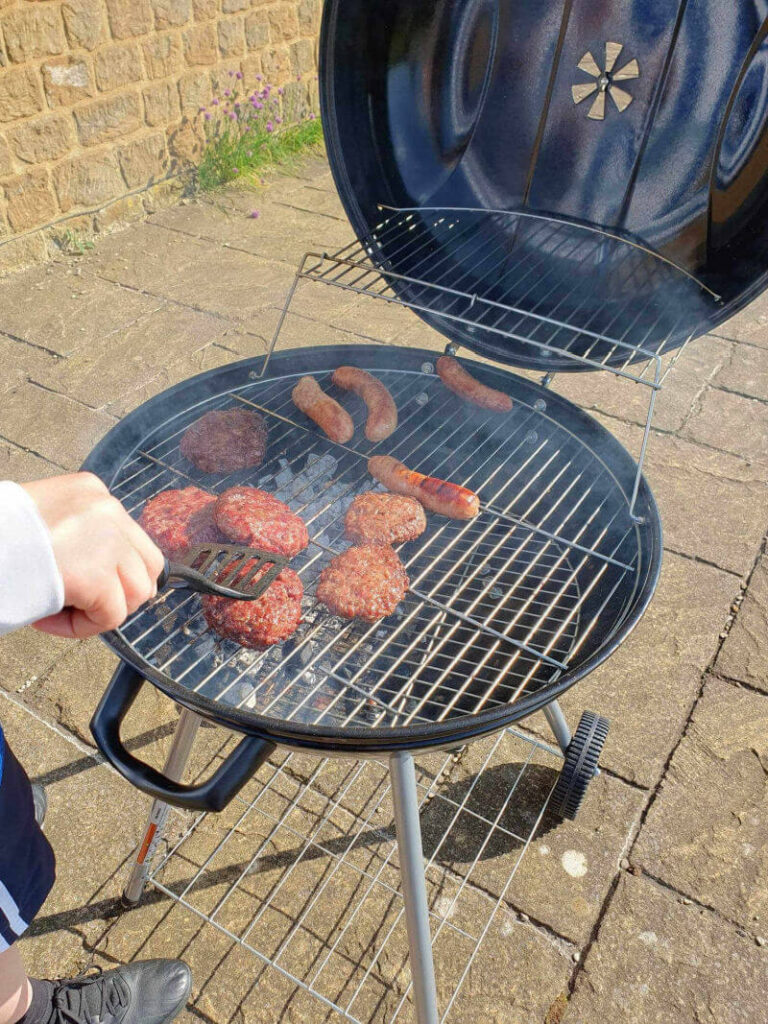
(72, 244)
(249, 131)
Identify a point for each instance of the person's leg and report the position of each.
(15, 989)
(147, 992)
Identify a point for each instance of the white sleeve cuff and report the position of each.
(31, 586)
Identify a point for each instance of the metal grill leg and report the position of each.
(558, 725)
(408, 828)
(175, 763)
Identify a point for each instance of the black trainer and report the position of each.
(147, 992)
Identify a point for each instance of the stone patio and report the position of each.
(667, 921)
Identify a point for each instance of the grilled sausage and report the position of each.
(382, 411)
(463, 384)
(439, 496)
(310, 399)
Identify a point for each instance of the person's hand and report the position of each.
(109, 565)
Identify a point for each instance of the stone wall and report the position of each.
(98, 101)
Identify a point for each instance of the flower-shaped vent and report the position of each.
(606, 81)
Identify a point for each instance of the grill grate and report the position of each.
(304, 873)
(497, 608)
(553, 289)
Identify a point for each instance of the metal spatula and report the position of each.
(214, 568)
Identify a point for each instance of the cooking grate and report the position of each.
(568, 293)
(303, 870)
(498, 607)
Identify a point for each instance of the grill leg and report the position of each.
(175, 763)
(557, 723)
(408, 828)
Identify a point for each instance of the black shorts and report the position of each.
(27, 864)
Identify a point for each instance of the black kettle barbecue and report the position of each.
(562, 186)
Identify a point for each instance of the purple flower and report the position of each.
(254, 214)
(249, 154)
(201, 110)
(207, 117)
(298, 78)
(258, 78)
(238, 74)
(230, 73)
(278, 120)
(258, 106)
(311, 115)
(280, 91)
(215, 101)
(232, 116)
(235, 170)
(227, 92)
(269, 126)
(237, 106)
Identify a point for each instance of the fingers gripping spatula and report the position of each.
(223, 570)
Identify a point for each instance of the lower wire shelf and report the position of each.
(302, 871)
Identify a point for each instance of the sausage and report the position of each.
(382, 411)
(439, 496)
(463, 384)
(310, 399)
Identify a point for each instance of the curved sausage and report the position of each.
(310, 399)
(439, 496)
(463, 384)
(382, 411)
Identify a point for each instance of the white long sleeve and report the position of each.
(31, 586)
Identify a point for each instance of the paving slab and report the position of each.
(216, 354)
(52, 425)
(566, 873)
(134, 355)
(278, 233)
(750, 324)
(706, 833)
(745, 371)
(628, 400)
(655, 961)
(194, 272)
(712, 504)
(58, 308)
(648, 686)
(744, 655)
(20, 361)
(731, 423)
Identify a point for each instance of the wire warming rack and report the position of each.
(303, 871)
(557, 289)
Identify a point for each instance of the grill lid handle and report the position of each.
(212, 795)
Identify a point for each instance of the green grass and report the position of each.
(231, 156)
(72, 244)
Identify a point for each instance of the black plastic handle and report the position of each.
(212, 795)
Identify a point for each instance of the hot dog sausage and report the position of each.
(310, 399)
(463, 384)
(439, 496)
(382, 411)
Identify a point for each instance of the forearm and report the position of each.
(31, 585)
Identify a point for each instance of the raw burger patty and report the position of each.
(269, 619)
(384, 519)
(249, 516)
(225, 440)
(177, 520)
(365, 582)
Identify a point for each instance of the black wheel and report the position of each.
(580, 763)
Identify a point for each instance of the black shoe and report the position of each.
(40, 800)
(147, 992)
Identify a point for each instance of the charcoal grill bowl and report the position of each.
(127, 436)
(468, 104)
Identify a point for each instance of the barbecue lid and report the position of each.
(545, 180)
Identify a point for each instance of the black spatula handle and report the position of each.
(201, 584)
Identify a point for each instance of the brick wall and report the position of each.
(98, 99)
